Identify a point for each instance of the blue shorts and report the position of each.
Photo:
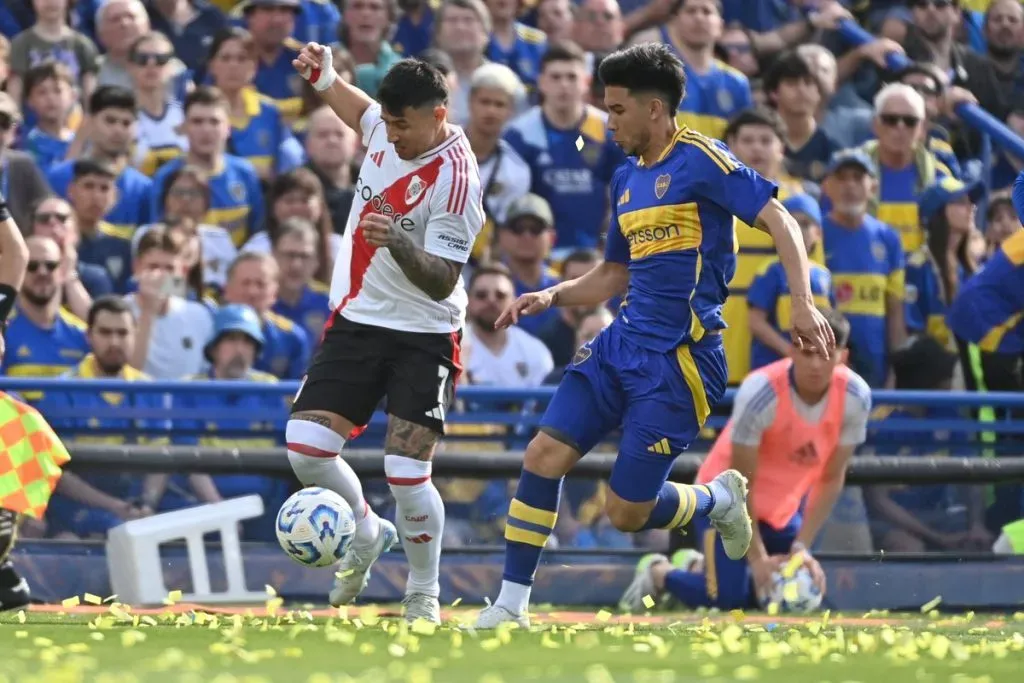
(660, 400)
(729, 583)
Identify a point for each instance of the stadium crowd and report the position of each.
(184, 192)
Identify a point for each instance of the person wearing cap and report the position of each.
(272, 23)
(525, 241)
(231, 352)
(867, 264)
(948, 517)
(315, 22)
(936, 271)
(21, 181)
(768, 296)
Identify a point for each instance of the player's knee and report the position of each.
(626, 516)
(549, 457)
(312, 445)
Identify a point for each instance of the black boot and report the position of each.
(14, 592)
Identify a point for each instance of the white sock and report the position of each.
(723, 498)
(420, 520)
(515, 597)
(313, 451)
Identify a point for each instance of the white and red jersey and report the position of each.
(435, 200)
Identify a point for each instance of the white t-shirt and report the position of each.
(159, 139)
(524, 361)
(177, 341)
(505, 177)
(435, 200)
(753, 410)
(219, 252)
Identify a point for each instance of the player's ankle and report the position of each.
(515, 597)
(367, 529)
(722, 496)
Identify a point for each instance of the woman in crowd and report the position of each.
(160, 116)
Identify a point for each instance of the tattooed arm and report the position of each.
(434, 275)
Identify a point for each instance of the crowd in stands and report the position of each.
(185, 191)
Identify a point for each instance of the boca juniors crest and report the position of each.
(661, 184)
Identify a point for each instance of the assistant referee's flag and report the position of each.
(31, 457)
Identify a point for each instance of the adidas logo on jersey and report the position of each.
(661, 448)
(377, 158)
(624, 199)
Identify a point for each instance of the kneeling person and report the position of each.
(795, 424)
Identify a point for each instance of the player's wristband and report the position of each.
(7, 296)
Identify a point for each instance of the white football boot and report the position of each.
(733, 523)
(354, 569)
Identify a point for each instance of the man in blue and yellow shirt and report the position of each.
(768, 297)
(715, 91)
(236, 198)
(43, 340)
(866, 260)
(239, 420)
(300, 299)
(660, 366)
(111, 134)
(252, 281)
(261, 137)
(568, 148)
(272, 23)
(87, 503)
(91, 194)
(514, 44)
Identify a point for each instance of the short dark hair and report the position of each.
(109, 303)
(839, 324)
(112, 97)
(788, 67)
(586, 256)
(208, 96)
(411, 84)
(89, 167)
(755, 117)
(490, 268)
(160, 238)
(48, 70)
(647, 67)
(563, 51)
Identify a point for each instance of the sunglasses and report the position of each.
(534, 229)
(485, 294)
(46, 216)
(937, 4)
(893, 120)
(925, 90)
(47, 266)
(158, 58)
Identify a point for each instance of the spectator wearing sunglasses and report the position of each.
(930, 83)
(509, 357)
(43, 340)
(160, 115)
(525, 241)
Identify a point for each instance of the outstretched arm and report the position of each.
(315, 63)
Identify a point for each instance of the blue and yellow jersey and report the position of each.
(988, 309)
(108, 430)
(809, 162)
(867, 267)
(938, 144)
(672, 225)
(770, 292)
(310, 312)
(47, 150)
(712, 98)
(286, 351)
(236, 198)
(925, 310)
(111, 249)
(316, 21)
(570, 169)
(278, 81)
(258, 135)
(523, 57)
(756, 248)
(134, 195)
(36, 352)
(411, 38)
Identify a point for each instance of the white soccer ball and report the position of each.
(316, 527)
(797, 593)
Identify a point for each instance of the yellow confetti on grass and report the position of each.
(68, 603)
(794, 563)
(21, 617)
(91, 599)
(270, 590)
(931, 604)
(648, 601)
(457, 602)
(603, 616)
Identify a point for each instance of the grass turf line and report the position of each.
(119, 645)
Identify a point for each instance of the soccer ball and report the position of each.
(316, 527)
(796, 594)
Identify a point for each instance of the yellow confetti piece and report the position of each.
(746, 673)
(91, 599)
(174, 595)
(579, 143)
(344, 574)
(396, 650)
(648, 601)
(294, 652)
(68, 603)
(794, 563)
(603, 616)
(21, 617)
(931, 604)
(21, 634)
(457, 602)
(42, 642)
(96, 636)
(270, 590)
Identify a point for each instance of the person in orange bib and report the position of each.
(795, 423)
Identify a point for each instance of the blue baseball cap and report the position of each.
(936, 197)
(805, 204)
(235, 318)
(851, 157)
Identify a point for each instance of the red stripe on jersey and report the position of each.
(407, 481)
(464, 168)
(453, 190)
(460, 180)
(311, 451)
(457, 356)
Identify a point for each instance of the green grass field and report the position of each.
(115, 644)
